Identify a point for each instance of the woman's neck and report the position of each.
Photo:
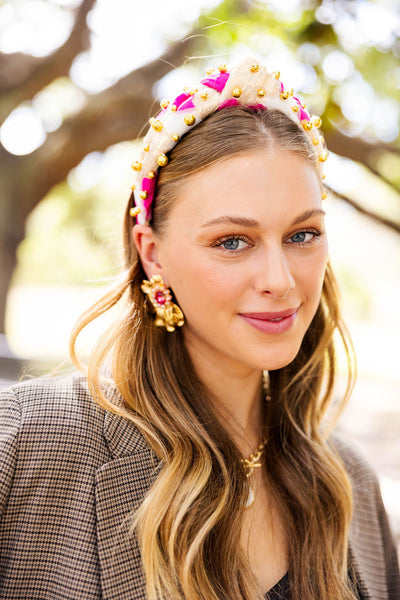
(237, 397)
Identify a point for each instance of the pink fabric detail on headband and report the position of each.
(216, 82)
(181, 98)
(282, 87)
(186, 104)
(257, 107)
(302, 114)
(230, 102)
(148, 185)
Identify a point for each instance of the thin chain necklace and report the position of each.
(250, 464)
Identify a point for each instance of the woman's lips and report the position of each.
(271, 322)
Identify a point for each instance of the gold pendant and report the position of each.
(250, 498)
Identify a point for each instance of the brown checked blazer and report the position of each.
(72, 473)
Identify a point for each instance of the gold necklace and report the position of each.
(251, 463)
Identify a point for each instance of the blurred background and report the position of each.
(77, 82)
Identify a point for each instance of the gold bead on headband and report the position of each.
(135, 211)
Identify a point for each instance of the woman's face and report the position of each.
(245, 253)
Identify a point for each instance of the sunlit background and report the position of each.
(72, 246)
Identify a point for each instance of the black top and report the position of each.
(281, 590)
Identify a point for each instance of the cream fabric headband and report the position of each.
(248, 84)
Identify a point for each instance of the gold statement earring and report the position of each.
(167, 314)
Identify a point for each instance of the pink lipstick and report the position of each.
(271, 322)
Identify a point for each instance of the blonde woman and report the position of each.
(203, 469)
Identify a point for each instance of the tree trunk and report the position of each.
(8, 262)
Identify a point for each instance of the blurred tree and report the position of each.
(118, 112)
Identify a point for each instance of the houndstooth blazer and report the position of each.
(72, 473)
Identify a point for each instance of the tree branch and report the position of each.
(111, 116)
(360, 151)
(22, 75)
(364, 211)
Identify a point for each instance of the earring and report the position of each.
(167, 314)
(266, 386)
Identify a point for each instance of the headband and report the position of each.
(248, 84)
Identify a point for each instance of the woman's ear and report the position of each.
(146, 245)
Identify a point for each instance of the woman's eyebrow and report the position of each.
(233, 220)
(246, 222)
(307, 214)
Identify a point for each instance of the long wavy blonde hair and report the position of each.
(189, 526)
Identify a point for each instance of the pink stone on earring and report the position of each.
(160, 294)
(160, 297)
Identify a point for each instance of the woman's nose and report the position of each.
(274, 275)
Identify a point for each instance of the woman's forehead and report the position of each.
(251, 186)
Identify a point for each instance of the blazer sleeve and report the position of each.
(391, 558)
(370, 534)
(10, 419)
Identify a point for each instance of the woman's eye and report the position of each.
(302, 237)
(232, 243)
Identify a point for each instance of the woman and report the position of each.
(204, 469)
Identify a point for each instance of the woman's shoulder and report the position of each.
(52, 399)
(357, 466)
(363, 479)
(60, 410)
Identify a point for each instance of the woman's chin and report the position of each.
(279, 361)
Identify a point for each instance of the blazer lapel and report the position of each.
(121, 486)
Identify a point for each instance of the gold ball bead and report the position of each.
(151, 120)
(324, 176)
(175, 137)
(261, 93)
(284, 95)
(317, 121)
(174, 108)
(303, 104)
(135, 211)
(164, 103)
(277, 74)
(192, 92)
(162, 160)
(146, 147)
(137, 166)
(291, 92)
(151, 174)
(324, 195)
(157, 125)
(254, 68)
(307, 125)
(315, 141)
(204, 96)
(143, 195)
(133, 187)
(222, 68)
(295, 108)
(210, 71)
(323, 157)
(236, 92)
(190, 120)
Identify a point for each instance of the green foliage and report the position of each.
(72, 238)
